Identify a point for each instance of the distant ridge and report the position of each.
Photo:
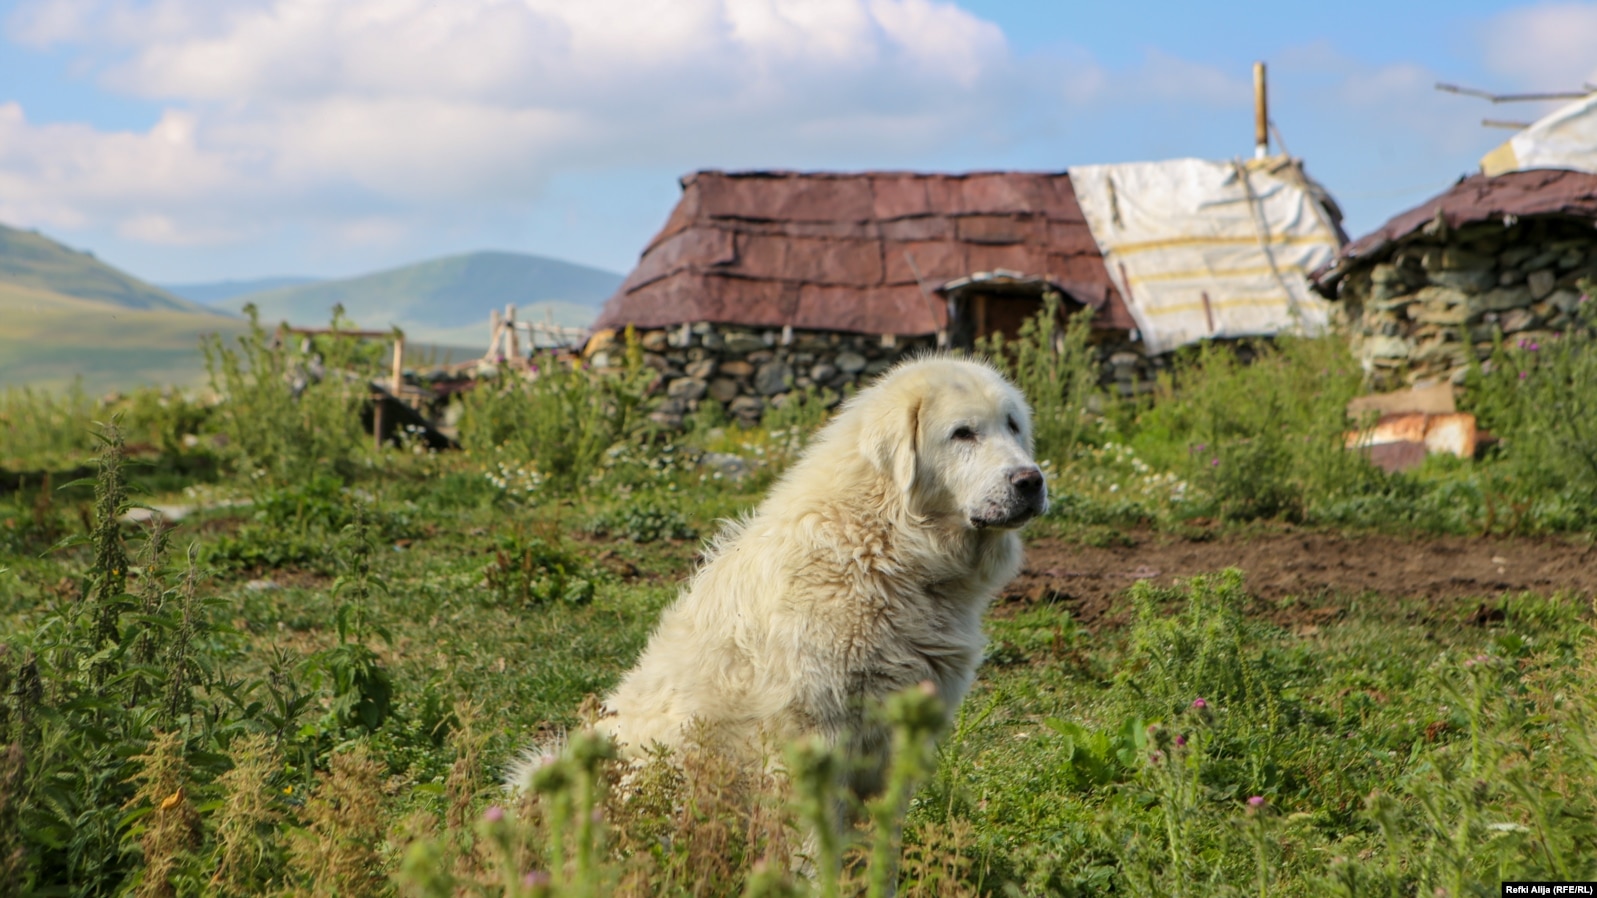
(212, 292)
(30, 259)
(443, 297)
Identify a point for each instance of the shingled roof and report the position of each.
(1477, 198)
(861, 252)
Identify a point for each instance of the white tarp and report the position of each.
(1205, 249)
(1565, 139)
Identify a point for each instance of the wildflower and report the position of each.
(1181, 741)
(535, 878)
(1156, 757)
(1521, 375)
(1256, 801)
(1214, 462)
(1199, 704)
(494, 814)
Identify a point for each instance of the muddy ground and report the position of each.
(1462, 576)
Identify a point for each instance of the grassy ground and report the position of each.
(314, 692)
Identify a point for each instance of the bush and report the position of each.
(560, 422)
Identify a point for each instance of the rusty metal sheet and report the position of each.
(900, 195)
(1476, 198)
(1010, 193)
(1000, 229)
(1026, 259)
(930, 261)
(856, 263)
(695, 247)
(1072, 238)
(921, 227)
(785, 196)
(881, 310)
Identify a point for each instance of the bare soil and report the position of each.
(1461, 576)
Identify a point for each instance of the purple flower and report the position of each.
(1156, 757)
(1214, 462)
(1199, 704)
(1522, 375)
(1181, 742)
(494, 814)
(535, 878)
(1256, 801)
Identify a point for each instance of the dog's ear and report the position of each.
(889, 440)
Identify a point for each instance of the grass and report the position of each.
(311, 686)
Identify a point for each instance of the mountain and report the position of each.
(29, 259)
(211, 292)
(447, 300)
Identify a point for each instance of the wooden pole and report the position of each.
(513, 338)
(397, 380)
(1261, 114)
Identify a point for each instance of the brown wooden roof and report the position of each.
(1515, 195)
(859, 252)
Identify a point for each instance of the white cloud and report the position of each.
(1546, 47)
(361, 108)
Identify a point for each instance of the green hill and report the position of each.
(29, 259)
(49, 340)
(212, 292)
(442, 299)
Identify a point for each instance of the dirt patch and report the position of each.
(1322, 569)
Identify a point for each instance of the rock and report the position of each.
(703, 327)
(1514, 255)
(681, 337)
(823, 373)
(1509, 277)
(747, 410)
(1541, 283)
(730, 467)
(772, 378)
(1386, 347)
(1515, 320)
(1467, 279)
(600, 360)
(654, 341)
(713, 341)
(687, 388)
(263, 585)
(1386, 273)
(702, 369)
(1542, 260)
(600, 341)
(657, 362)
(1439, 313)
(1566, 300)
(1500, 299)
(667, 420)
(1440, 295)
(737, 368)
(1571, 258)
(850, 362)
(1453, 258)
(1125, 359)
(877, 367)
(723, 389)
(740, 343)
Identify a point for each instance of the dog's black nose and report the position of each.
(1026, 481)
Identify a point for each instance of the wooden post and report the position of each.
(397, 380)
(493, 341)
(1261, 114)
(513, 337)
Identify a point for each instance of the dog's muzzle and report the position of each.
(1027, 498)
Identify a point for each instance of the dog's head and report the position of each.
(956, 439)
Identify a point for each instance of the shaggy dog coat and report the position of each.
(865, 571)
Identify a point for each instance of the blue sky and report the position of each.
(189, 140)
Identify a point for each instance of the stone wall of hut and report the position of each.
(1445, 296)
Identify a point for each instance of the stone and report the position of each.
(1124, 359)
(681, 337)
(772, 378)
(1438, 313)
(739, 343)
(746, 406)
(1514, 255)
(687, 388)
(823, 373)
(850, 362)
(1566, 299)
(723, 389)
(600, 360)
(601, 341)
(667, 420)
(713, 341)
(1541, 282)
(1384, 294)
(703, 327)
(702, 369)
(1386, 273)
(877, 367)
(728, 466)
(1571, 258)
(1515, 320)
(1387, 347)
(657, 362)
(654, 341)
(1542, 260)
(1500, 299)
(1509, 277)
(1466, 279)
(737, 368)
(1453, 258)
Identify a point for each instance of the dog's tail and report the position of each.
(521, 769)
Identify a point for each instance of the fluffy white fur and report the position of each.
(865, 571)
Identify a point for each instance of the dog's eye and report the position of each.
(965, 434)
(1014, 426)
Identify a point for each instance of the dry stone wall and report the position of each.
(1436, 301)
(746, 370)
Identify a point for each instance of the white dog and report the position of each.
(865, 571)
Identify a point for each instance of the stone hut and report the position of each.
(1494, 257)
(765, 282)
